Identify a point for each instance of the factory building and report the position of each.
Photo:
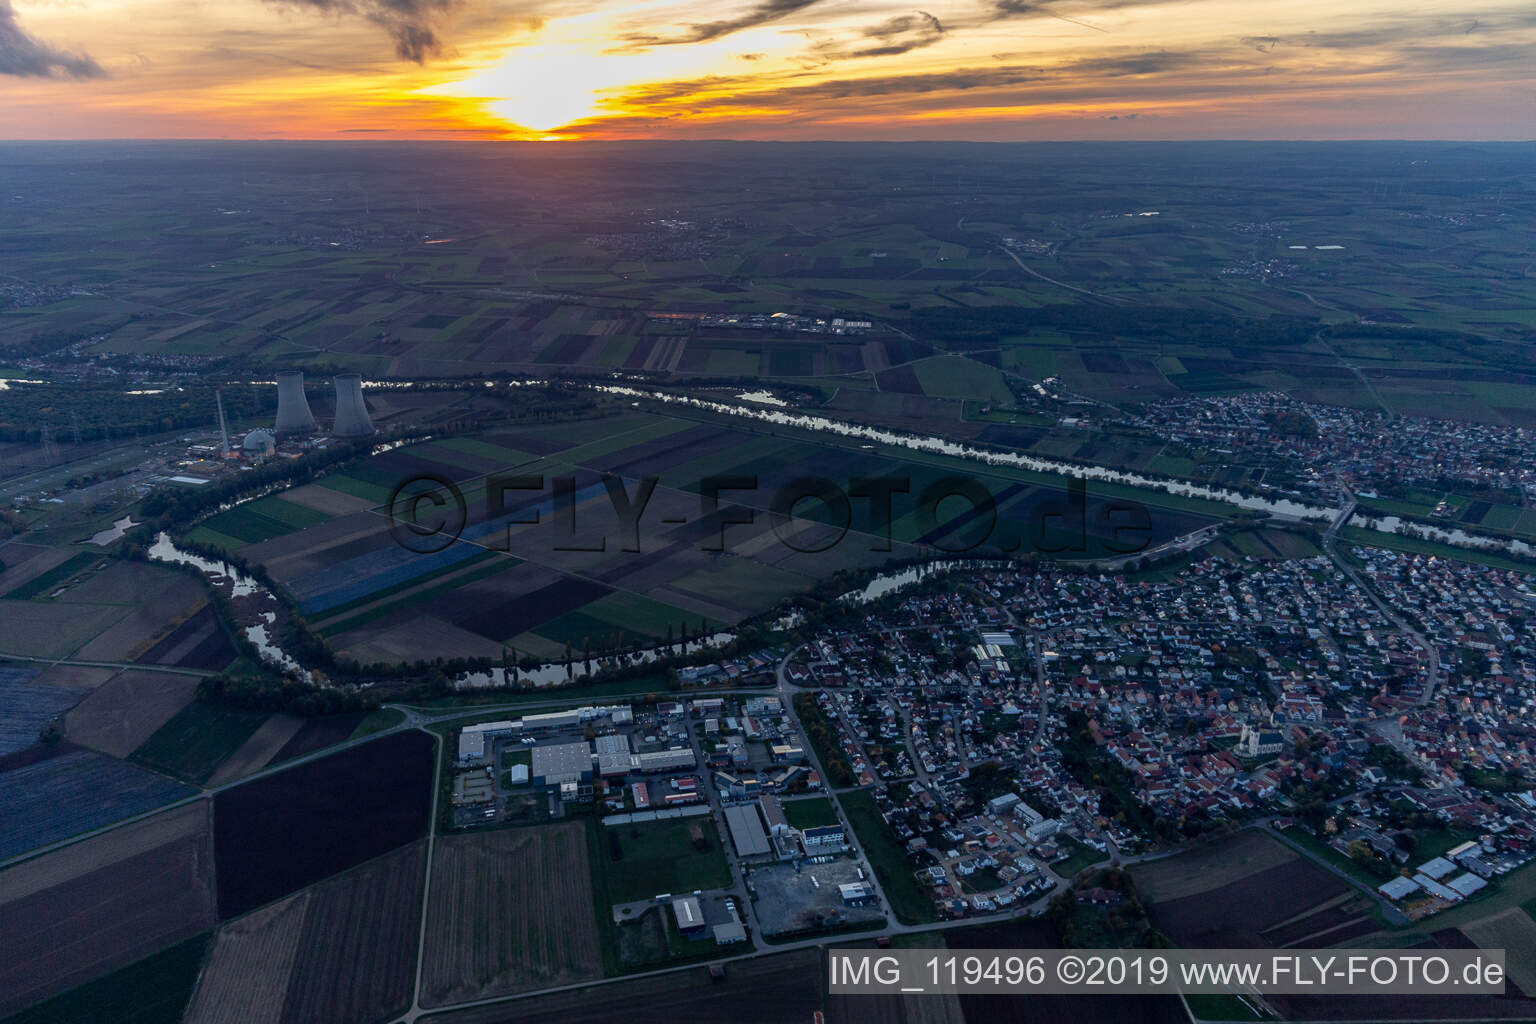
(689, 915)
(559, 763)
(730, 933)
(746, 830)
(473, 739)
(673, 759)
(613, 755)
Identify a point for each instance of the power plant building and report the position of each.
(351, 412)
(293, 416)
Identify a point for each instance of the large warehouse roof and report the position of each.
(746, 830)
(561, 762)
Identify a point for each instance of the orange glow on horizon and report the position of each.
(663, 69)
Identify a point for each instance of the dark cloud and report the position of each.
(23, 55)
(900, 34)
(1138, 63)
(1398, 33)
(703, 32)
(1005, 9)
(412, 24)
(717, 92)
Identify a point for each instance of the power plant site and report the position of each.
(293, 430)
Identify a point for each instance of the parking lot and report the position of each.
(788, 901)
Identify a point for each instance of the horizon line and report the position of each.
(366, 136)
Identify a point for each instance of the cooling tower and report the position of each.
(293, 415)
(351, 414)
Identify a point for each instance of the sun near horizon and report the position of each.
(768, 69)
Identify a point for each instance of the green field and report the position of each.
(810, 813)
(377, 721)
(47, 582)
(263, 519)
(154, 990)
(894, 871)
(958, 377)
(196, 741)
(640, 861)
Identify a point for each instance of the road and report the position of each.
(1432, 656)
(1032, 272)
(120, 665)
(426, 890)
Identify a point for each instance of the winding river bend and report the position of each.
(256, 610)
(1279, 507)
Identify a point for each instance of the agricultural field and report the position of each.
(1451, 1006)
(154, 990)
(660, 856)
(538, 577)
(256, 521)
(246, 977)
(280, 833)
(560, 278)
(1241, 893)
(197, 739)
(762, 990)
(1264, 545)
(1513, 931)
(100, 609)
(316, 734)
(341, 950)
(199, 642)
(259, 748)
(29, 706)
(510, 910)
(77, 913)
(121, 714)
(1083, 1008)
(73, 792)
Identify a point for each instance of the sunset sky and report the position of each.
(768, 69)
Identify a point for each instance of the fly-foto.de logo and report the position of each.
(809, 514)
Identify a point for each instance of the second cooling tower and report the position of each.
(293, 415)
(351, 414)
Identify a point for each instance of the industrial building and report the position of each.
(689, 915)
(613, 755)
(293, 416)
(258, 443)
(473, 739)
(351, 412)
(730, 933)
(857, 894)
(672, 759)
(747, 830)
(559, 763)
(773, 814)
